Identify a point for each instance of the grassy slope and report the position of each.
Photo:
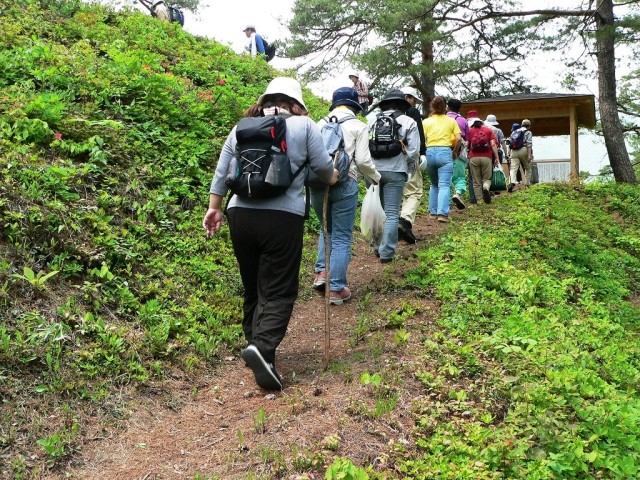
(110, 126)
(109, 129)
(546, 284)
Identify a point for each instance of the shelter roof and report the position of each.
(550, 113)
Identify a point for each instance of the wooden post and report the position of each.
(574, 170)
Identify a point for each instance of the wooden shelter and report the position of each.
(550, 114)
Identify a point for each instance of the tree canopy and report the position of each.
(471, 49)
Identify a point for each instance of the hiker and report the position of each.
(522, 155)
(343, 196)
(158, 9)
(439, 130)
(519, 175)
(460, 167)
(492, 122)
(483, 154)
(363, 91)
(396, 162)
(267, 233)
(413, 189)
(256, 44)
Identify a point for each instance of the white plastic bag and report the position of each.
(372, 217)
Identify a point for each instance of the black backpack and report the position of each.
(384, 136)
(261, 168)
(176, 15)
(269, 50)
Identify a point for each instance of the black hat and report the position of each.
(454, 104)
(394, 95)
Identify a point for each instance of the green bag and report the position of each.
(498, 180)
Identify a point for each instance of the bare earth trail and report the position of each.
(226, 427)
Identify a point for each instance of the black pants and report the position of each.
(268, 247)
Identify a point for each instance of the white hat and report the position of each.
(412, 92)
(492, 120)
(286, 86)
(249, 27)
(354, 74)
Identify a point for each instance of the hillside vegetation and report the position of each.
(110, 127)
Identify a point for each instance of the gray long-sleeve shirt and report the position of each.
(303, 141)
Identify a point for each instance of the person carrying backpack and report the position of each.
(492, 122)
(440, 129)
(521, 142)
(460, 167)
(483, 154)
(413, 189)
(267, 231)
(363, 91)
(256, 43)
(158, 9)
(394, 144)
(343, 196)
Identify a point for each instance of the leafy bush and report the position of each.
(543, 282)
(110, 128)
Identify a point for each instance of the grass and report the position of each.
(106, 151)
(539, 285)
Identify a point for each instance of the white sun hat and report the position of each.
(413, 92)
(492, 120)
(286, 86)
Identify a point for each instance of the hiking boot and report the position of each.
(486, 195)
(443, 219)
(386, 260)
(338, 298)
(320, 280)
(458, 201)
(510, 187)
(264, 372)
(404, 231)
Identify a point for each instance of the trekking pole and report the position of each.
(327, 283)
(327, 273)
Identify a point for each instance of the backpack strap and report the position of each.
(348, 117)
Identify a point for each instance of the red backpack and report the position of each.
(480, 140)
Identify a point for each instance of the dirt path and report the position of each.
(230, 429)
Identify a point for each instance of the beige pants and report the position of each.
(411, 196)
(481, 170)
(520, 157)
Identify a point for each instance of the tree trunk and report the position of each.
(611, 126)
(427, 82)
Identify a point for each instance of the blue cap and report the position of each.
(345, 96)
(515, 126)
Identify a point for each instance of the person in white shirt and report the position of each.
(343, 196)
(158, 9)
(256, 44)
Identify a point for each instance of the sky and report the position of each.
(225, 24)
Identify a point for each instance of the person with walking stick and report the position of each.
(267, 232)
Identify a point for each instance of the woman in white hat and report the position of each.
(267, 233)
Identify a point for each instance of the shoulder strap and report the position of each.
(348, 117)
